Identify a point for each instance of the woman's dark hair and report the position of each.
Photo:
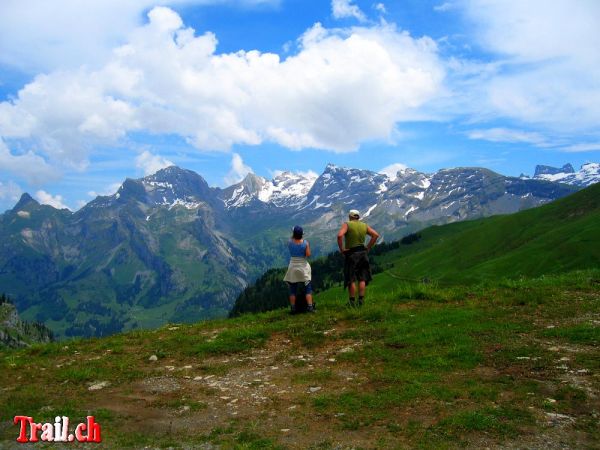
(297, 232)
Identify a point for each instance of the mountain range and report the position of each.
(168, 247)
(587, 175)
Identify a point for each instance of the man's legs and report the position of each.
(352, 289)
(352, 293)
(362, 287)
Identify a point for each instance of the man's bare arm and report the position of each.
(307, 252)
(340, 237)
(374, 236)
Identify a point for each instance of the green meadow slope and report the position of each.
(513, 365)
(561, 236)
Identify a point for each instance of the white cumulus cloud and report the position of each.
(342, 87)
(548, 64)
(345, 8)
(110, 190)
(238, 170)
(380, 7)
(151, 163)
(26, 165)
(46, 198)
(392, 170)
(10, 191)
(80, 204)
(42, 35)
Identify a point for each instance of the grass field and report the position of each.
(555, 238)
(512, 364)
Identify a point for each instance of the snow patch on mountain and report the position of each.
(286, 189)
(290, 189)
(185, 204)
(382, 188)
(238, 198)
(370, 210)
(411, 209)
(587, 175)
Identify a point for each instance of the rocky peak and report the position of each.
(244, 192)
(289, 189)
(253, 183)
(174, 185)
(26, 201)
(345, 186)
(330, 167)
(405, 172)
(178, 178)
(131, 189)
(292, 177)
(549, 170)
(174, 174)
(586, 176)
(589, 167)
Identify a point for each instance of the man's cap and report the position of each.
(298, 231)
(354, 213)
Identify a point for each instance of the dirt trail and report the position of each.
(266, 390)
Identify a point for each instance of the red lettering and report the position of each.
(34, 429)
(94, 429)
(24, 420)
(79, 432)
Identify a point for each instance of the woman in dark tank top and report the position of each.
(299, 270)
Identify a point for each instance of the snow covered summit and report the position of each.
(586, 176)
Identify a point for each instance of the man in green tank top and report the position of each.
(351, 241)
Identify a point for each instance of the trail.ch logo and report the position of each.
(57, 431)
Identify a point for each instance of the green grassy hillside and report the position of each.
(514, 365)
(561, 236)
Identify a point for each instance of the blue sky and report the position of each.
(94, 92)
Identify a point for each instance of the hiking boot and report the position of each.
(351, 302)
(311, 308)
(360, 302)
(293, 310)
